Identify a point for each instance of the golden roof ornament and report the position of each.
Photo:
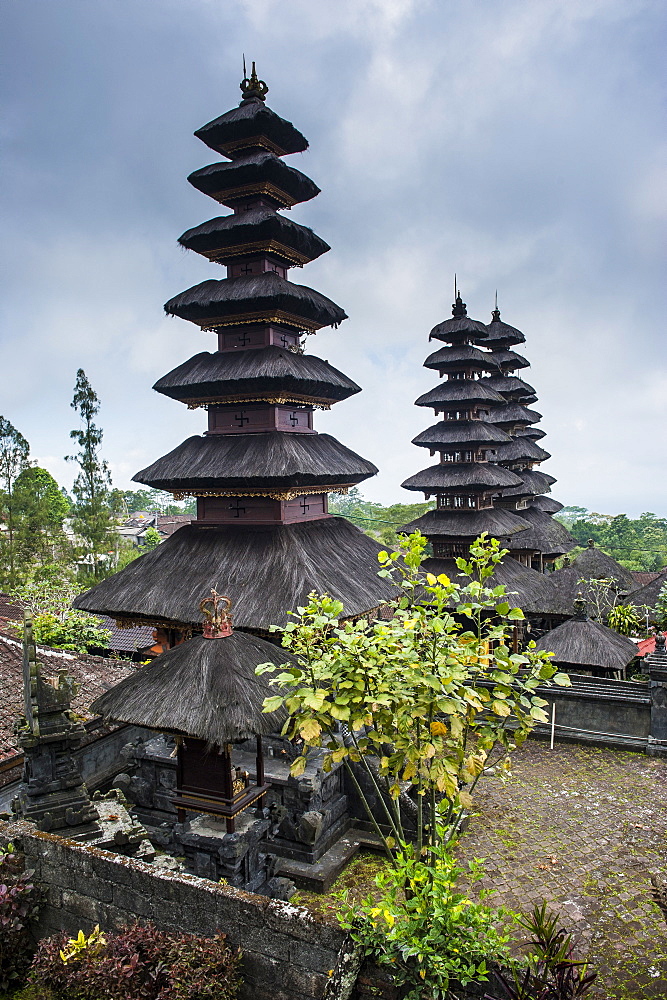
(252, 87)
(218, 620)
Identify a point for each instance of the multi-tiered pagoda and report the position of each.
(484, 454)
(545, 539)
(260, 472)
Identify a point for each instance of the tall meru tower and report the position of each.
(260, 471)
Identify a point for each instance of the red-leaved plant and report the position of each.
(19, 903)
(141, 962)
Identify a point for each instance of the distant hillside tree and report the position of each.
(40, 510)
(14, 452)
(92, 517)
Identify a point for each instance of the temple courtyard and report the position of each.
(586, 830)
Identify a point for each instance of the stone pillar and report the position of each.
(52, 793)
(656, 664)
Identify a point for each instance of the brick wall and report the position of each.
(287, 952)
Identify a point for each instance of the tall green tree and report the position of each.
(93, 518)
(40, 510)
(14, 452)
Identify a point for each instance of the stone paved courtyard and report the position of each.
(585, 829)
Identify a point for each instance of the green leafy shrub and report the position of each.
(19, 904)
(624, 619)
(76, 631)
(433, 938)
(138, 961)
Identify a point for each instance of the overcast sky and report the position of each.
(519, 143)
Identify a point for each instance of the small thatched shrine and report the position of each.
(582, 644)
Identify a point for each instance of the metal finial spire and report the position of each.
(495, 315)
(252, 87)
(244, 69)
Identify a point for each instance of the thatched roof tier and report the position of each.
(270, 460)
(497, 522)
(547, 504)
(259, 230)
(258, 174)
(224, 695)
(458, 330)
(545, 535)
(457, 392)
(267, 373)
(460, 432)
(521, 449)
(594, 564)
(459, 356)
(251, 126)
(268, 571)
(647, 596)
(585, 643)
(260, 298)
(511, 387)
(502, 335)
(535, 482)
(469, 475)
(514, 413)
(536, 433)
(533, 592)
(508, 360)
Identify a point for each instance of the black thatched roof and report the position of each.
(536, 433)
(270, 372)
(257, 296)
(509, 361)
(511, 387)
(460, 391)
(545, 535)
(459, 328)
(448, 358)
(260, 229)
(647, 596)
(251, 124)
(267, 571)
(547, 504)
(272, 459)
(585, 643)
(205, 688)
(501, 334)
(259, 173)
(594, 564)
(460, 432)
(535, 482)
(497, 522)
(475, 475)
(514, 413)
(533, 592)
(521, 448)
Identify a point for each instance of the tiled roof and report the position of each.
(127, 640)
(167, 524)
(95, 674)
(121, 640)
(644, 578)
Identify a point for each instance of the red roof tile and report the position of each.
(95, 674)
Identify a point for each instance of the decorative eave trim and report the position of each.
(248, 190)
(289, 494)
(292, 256)
(205, 402)
(250, 143)
(241, 319)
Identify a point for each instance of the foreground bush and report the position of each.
(138, 962)
(19, 903)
